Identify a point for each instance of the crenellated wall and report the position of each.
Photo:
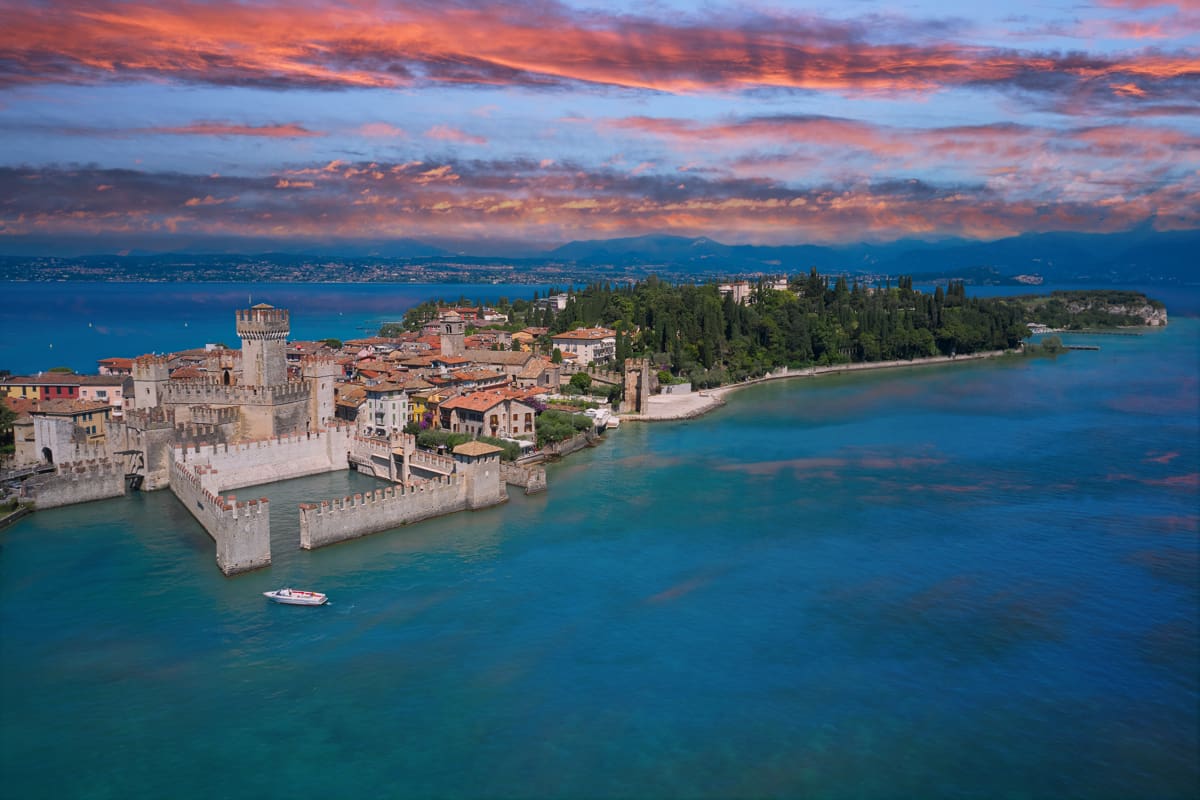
(475, 485)
(77, 482)
(269, 460)
(351, 517)
(241, 530)
(202, 392)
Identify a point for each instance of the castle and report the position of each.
(243, 421)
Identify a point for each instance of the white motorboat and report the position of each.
(296, 597)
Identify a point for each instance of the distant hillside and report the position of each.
(1142, 256)
(1133, 257)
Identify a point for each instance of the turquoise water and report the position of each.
(972, 581)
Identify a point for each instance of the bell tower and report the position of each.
(263, 330)
(453, 330)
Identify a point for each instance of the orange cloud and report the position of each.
(472, 199)
(1127, 89)
(288, 131)
(362, 44)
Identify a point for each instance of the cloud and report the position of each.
(208, 200)
(277, 131)
(382, 130)
(445, 133)
(1025, 161)
(472, 199)
(543, 45)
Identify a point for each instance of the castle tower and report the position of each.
(150, 376)
(263, 330)
(479, 464)
(453, 330)
(321, 373)
(636, 397)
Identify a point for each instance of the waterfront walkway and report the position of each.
(687, 406)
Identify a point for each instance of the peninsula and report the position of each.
(455, 402)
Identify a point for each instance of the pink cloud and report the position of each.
(382, 130)
(446, 133)
(285, 131)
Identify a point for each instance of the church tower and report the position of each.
(263, 330)
(453, 330)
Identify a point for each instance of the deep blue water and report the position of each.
(77, 323)
(978, 580)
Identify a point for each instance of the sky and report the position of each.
(486, 126)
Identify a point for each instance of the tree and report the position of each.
(556, 356)
(335, 344)
(7, 418)
(581, 381)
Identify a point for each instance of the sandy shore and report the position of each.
(686, 406)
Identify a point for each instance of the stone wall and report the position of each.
(477, 484)
(572, 445)
(242, 531)
(351, 517)
(77, 482)
(531, 478)
(269, 460)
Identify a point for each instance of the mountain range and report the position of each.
(1142, 255)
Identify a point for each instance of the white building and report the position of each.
(589, 345)
(385, 411)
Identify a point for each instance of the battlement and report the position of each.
(263, 322)
(338, 520)
(221, 506)
(336, 438)
(370, 445)
(241, 530)
(151, 368)
(90, 469)
(147, 418)
(314, 362)
(214, 415)
(424, 458)
(199, 433)
(77, 482)
(202, 392)
(86, 453)
(391, 494)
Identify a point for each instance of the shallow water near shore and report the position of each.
(971, 580)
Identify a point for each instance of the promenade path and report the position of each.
(687, 406)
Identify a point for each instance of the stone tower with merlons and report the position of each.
(263, 330)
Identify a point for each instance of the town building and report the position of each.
(385, 410)
(588, 345)
(494, 413)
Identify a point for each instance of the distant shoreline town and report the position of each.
(1130, 258)
(455, 402)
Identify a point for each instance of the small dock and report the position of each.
(1081, 347)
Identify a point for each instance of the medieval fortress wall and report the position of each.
(241, 530)
(335, 521)
(268, 460)
(77, 482)
(476, 483)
